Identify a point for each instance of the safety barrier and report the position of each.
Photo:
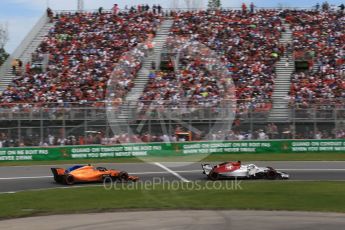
(170, 149)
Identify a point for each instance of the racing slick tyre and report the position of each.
(272, 175)
(69, 180)
(279, 177)
(213, 176)
(123, 176)
(107, 179)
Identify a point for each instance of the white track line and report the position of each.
(165, 172)
(25, 177)
(172, 172)
(44, 189)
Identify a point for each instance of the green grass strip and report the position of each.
(254, 195)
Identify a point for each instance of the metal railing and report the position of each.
(155, 110)
(181, 9)
(33, 124)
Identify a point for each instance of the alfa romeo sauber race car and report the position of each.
(88, 173)
(232, 170)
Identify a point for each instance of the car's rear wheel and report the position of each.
(107, 179)
(69, 180)
(213, 176)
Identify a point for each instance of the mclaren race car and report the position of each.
(232, 170)
(88, 173)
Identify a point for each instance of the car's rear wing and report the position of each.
(59, 174)
(58, 171)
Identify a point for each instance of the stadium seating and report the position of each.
(83, 49)
(248, 43)
(199, 83)
(319, 37)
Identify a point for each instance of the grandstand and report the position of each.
(249, 44)
(322, 44)
(82, 73)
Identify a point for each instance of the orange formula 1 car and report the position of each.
(88, 173)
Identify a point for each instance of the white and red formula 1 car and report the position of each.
(232, 170)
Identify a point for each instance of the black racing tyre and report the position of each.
(271, 175)
(69, 180)
(123, 176)
(213, 176)
(107, 179)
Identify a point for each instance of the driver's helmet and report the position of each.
(251, 166)
(101, 169)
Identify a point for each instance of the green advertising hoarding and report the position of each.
(170, 149)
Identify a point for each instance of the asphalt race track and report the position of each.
(22, 178)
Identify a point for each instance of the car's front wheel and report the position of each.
(280, 177)
(213, 176)
(272, 175)
(123, 176)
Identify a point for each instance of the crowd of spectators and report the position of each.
(84, 49)
(201, 81)
(50, 140)
(320, 37)
(340, 134)
(249, 44)
(122, 78)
